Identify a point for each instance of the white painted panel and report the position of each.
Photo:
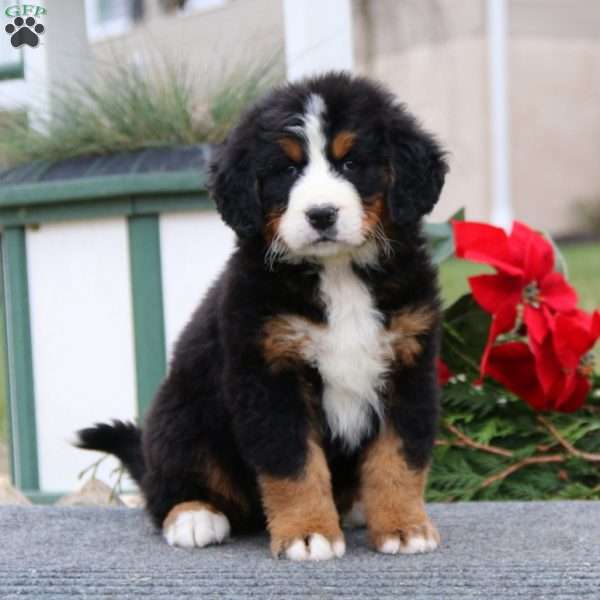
(82, 337)
(194, 249)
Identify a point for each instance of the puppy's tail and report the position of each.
(123, 440)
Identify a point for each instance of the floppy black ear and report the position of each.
(418, 170)
(233, 185)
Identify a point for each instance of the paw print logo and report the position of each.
(24, 32)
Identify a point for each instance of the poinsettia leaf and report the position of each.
(438, 231)
(465, 328)
(459, 215)
(440, 237)
(442, 250)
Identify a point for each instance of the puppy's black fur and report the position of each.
(222, 408)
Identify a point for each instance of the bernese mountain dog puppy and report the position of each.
(304, 390)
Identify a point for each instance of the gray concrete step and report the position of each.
(533, 550)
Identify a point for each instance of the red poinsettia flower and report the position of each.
(564, 360)
(443, 373)
(513, 365)
(575, 334)
(525, 285)
(553, 375)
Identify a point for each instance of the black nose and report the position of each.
(322, 217)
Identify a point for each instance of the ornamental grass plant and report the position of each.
(126, 108)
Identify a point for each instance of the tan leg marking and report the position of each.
(392, 496)
(195, 523)
(301, 515)
(405, 328)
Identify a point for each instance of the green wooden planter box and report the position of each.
(138, 189)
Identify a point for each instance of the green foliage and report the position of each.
(491, 446)
(465, 330)
(441, 238)
(126, 109)
(583, 261)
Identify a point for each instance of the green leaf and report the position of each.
(459, 215)
(441, 239)
(438, 231)
(465, 331)
(442, 250)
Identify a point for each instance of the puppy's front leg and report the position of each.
(395, 464)
(301, 515)
(275, 436)
(393, 497)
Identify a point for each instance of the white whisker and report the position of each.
(383, 241)
(277, 250)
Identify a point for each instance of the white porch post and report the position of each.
(318, 36)
(63, 56)
(497, 34)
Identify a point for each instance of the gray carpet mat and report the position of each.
(490, 550)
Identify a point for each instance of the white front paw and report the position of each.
(197, 528)
(315, 547)
(424, 540)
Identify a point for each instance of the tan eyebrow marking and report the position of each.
(292, 148)
(341, 144)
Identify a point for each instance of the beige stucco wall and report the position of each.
(555, 129)
(212, 42)
(433, 54)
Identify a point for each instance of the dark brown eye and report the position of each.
(348, 166)
(292, 171)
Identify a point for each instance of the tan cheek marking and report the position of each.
(295, 508)
(292, 148)
(372, 213)
(405, 328)
(272, 225)
(342, 143)
(391, 492)
(186, 507)
(287, 340)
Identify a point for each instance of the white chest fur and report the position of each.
(352, 353)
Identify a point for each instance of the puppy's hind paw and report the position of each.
(195, 524)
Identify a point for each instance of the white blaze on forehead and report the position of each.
(313, 130)
(320, 185)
